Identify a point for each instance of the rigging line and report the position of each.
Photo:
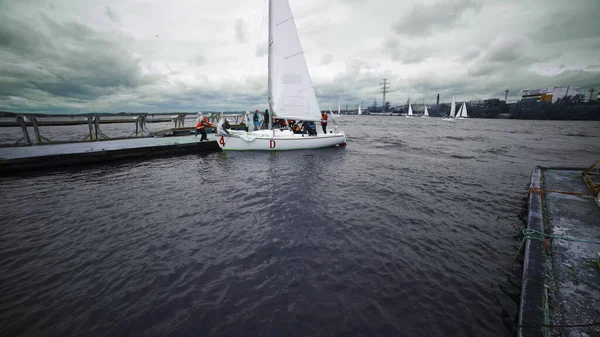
(262, 22)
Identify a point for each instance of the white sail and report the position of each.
(291, 91)
(359, 110)
(426, 113)
(460, 111)
(410, 110)
(464, 111)
(452, 108)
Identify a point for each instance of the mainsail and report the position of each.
(291, 92)
(410, 110)
(464, 111)
(426, 113)
(452, 108)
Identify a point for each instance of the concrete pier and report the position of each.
(560, 293)
(24, 158)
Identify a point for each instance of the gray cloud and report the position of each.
(569, 21)
(326, 59)
(240, 31)
(508, 47)
(404, 52)
(200, 59)
(68, 56)
(112, 15)
(65, 61)
(424, 19)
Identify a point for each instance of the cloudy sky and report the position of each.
(191, 55)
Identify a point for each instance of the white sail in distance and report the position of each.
(452, 108)
(464, 110)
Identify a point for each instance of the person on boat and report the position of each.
(256, 120)
(297, 128)
(199, 117)
(223, 127)
(248, 120)
(201, 127)
(309, 127)
(313, 129)
(266, 119)
(324, 121)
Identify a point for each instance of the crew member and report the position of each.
(266, 119)
(201, 127)
(324, 121)
(247, 120)
(256, 120)
(222, 129)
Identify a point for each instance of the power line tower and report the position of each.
(438, 100)
(591, 91)
(384, 90)
(505, 95)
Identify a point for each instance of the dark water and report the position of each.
(409, 231)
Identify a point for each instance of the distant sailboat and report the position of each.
(410, 112)
(359, 110)
(452, 110)
(426, 113)
(463, 111)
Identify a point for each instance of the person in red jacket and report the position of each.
(324, 121)
(201, 127)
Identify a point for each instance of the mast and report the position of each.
(270, 85)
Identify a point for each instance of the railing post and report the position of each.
(36, 130)
(21, 121)
(97, 126)
(91, 127)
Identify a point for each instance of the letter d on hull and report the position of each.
(272, 144)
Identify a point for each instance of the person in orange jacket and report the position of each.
(201, 126)
(324, 121)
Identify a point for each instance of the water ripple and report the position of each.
(409, 231)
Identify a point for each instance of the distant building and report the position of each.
(551, 94)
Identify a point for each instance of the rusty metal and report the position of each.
(595, 188)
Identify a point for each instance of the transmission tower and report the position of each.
(384, 90)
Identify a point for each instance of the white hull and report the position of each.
(282, 141)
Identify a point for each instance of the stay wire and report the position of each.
(262, 22)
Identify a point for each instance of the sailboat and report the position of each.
(339, 110)
(462, 113)
(359, 110)
(426, 113)
(410, 113)
(291, 93)
(452, 111)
